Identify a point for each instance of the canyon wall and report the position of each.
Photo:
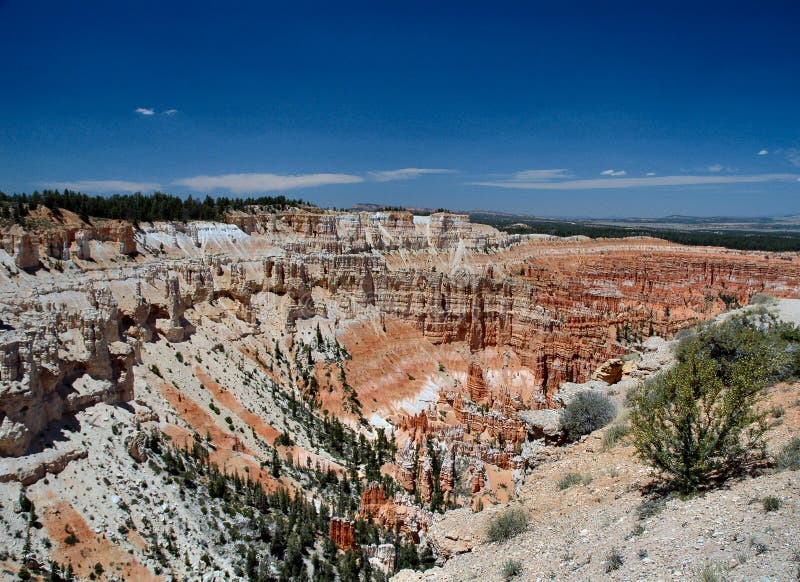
(243, 341)
(563, 306)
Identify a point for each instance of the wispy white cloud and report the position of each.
(605, 183)
(405, 173)
(613, 173)
(170, 112)
(241, 183)
(715, 168)
(762, 153)
(541, 175)
(651, 174)
(104, 186)
(145, 111)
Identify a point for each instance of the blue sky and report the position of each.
(558, 109)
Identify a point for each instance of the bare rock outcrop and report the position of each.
(137, 447)
(22, 247)
(610, 372)
(29, 469)
(60, 364)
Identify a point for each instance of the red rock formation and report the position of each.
(388, 513)
(373, 499)
(416, 426)
(476, 476)
(447, 477)
(342, 532)
(476, 384)
(406, 461)
(573, 307)
(496, 424)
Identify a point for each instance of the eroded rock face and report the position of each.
(23, 249)
(58, 241)
(373, 499)
(83, 248)
(357, 232)
(31, 468)
(59, 365)
(381, 556)
(562, 307)
(476, 384)
(137, 447)
(342, 532)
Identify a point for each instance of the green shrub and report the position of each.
(284, 439)
(699, 422)
(771, 503)
(507, 525)
(25, 504)
(789, 458)
(587, 412)
(614, 560)
(511, 569)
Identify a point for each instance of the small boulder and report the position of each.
(545, 423)
(610, 372)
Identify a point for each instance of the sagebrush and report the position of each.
(511, 569)
(586, 413)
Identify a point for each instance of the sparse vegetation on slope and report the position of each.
(789, 457)
(507, 524)
(573, 479)
(617, 431)
(276, 532)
